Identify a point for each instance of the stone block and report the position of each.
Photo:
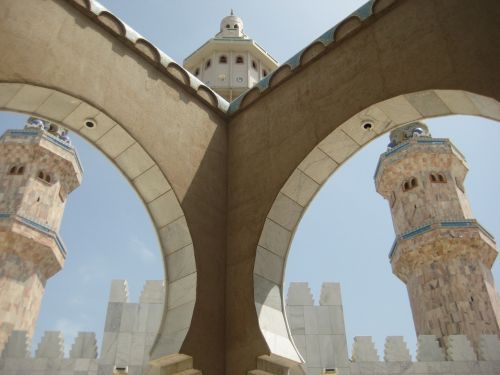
(318, 165)
(395, 350)
(153, 292)
(267, 292)
(339, 146)
(118, 291)
(286, 212)
(113, 317)
(180, 263)
(363, 350)
(489, 348)
(295, 317)
(269, 265)
(275, 238)
(17, 346)
(428, 349)
(108, 351)
(458, 348)
(51, 345)
(299, 294)
(330, 295)
(85, 346)
(129, 316)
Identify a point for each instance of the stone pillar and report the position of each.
(38, 169)
(442, 254)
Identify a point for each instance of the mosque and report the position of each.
(441, 252)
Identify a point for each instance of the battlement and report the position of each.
(129, 332)
(319, 334)
(318, 331)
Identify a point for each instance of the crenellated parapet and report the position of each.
(318, 330)
(319, 334)
(458, 356)
(129, 332)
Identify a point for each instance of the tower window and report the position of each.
(254, 64)
(437, 178)
(208, 64)
(44, 177)
(264, 73)
(223, 59)
(236, 26)
(197, 72)
(16, 170)
(239, 60)
(410, 184)
(227, 26)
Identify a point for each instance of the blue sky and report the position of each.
(345, 234)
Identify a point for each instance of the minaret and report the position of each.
(38, 169)
(442, 254)
(230, 63)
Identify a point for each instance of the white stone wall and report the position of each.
(318, 332)
(129, 332)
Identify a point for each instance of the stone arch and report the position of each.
(310, 175)
(64, 64)
(147, 179)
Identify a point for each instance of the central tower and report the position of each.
(442, 254)
(230, 63)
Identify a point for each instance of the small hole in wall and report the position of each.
(90, 123)
(38, 199)
(367, 125)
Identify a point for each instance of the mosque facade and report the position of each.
(442, 254)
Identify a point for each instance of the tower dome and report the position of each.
(232, 25)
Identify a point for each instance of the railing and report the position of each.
(467, 223)
(49, 137)
(420, 140)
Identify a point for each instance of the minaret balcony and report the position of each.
(32, 241)
(440, 241)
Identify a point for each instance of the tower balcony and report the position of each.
(441, 241)
(32, 242)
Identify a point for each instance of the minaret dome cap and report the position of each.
(231, 22)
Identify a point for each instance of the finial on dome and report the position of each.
(232, 12)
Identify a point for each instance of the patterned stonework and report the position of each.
(442, 254)
(37, 171)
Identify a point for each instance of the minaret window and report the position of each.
(197, 72)
(437, 178)
(410, 184)
(239, 60)
(254, 64)
(223, 59)
(44, 176)
(227, 26)
(264, 73)
(236, 26)
(16, 170)
(208, 64)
